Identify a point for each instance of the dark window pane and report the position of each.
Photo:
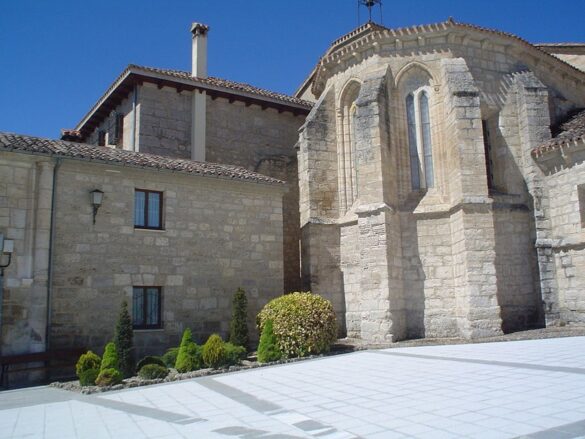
(426, 138)
(152, 314)
(153, 210)
(138, 307)
(139, 206)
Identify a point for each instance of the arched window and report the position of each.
(420, 145)
(346, 151)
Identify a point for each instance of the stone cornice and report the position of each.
(375, 37)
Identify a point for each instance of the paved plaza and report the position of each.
(531, 389)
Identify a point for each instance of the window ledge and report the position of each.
(141, 229)
(149, 330)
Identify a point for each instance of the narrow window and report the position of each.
(146, 306)
(487, 147)
(581, 194)
(147, 209)
(426, 139)
(119, 129)
(412, 143)
(101, 138)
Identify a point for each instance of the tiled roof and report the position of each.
(218, 82)
(111, 156)
(572, 130)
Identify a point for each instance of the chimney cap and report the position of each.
(199, 29)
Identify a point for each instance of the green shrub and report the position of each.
(87, 361)
(268, 348)
(170, 357)
(303, 323)
(123, 342)
(150, 359)
(87, 377)
(189, 355)
(213, 352)
(234, 354)
(239, 322)
(153, 371)
(110, 358)
(109, 377)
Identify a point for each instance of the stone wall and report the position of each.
(25, 205)
(218, 235)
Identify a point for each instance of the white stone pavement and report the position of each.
(533, 389)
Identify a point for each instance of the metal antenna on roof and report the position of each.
(370, 4)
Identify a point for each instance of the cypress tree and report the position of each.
(123, 342)
(239, 322)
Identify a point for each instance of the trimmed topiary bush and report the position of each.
(123, 341)
(303, 323)
(234, 354)
(213, 352)
(110, 358)
(108, 377)
(153, 371)
(268, 348)
(189, 356)
(87, 377)
(239, 322)
(170, 357)
(87, 361)
(150, 359)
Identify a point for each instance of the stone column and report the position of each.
(534, 130)
(381, 302)
(472, 224)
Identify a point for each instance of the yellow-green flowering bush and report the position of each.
(303, 323)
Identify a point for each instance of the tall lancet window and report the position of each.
(420, 145)
(346, 146)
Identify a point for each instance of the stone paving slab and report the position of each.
(526, 389)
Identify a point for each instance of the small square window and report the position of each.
(146, 308)
(148, 207)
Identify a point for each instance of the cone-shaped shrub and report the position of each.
(239, 322)
(303, 323)
(110, 358)
(214, 351)
(123, 342)
(189, 356)
(88, 368)
(268, 349)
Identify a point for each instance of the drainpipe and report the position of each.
(134, 116)
(51, 255)
(2, 267)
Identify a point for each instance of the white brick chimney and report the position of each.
(199, 98)
(199, 51)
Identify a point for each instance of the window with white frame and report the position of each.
(420, 144)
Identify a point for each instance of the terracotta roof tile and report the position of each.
(572, 130)
(225, 83)
(102, 154)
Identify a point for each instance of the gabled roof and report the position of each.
(568, 132)
(104, 155)
(371, 33)
(180, 80)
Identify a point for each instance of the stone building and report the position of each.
(434, 199)
(435, 187)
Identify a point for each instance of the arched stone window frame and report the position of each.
(420, 139)
(346, 145)
(416, 79)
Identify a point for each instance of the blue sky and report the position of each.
(58, 57)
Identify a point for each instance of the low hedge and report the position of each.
(153, 372)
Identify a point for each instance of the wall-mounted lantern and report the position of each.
(96, 197)
(6, 248)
